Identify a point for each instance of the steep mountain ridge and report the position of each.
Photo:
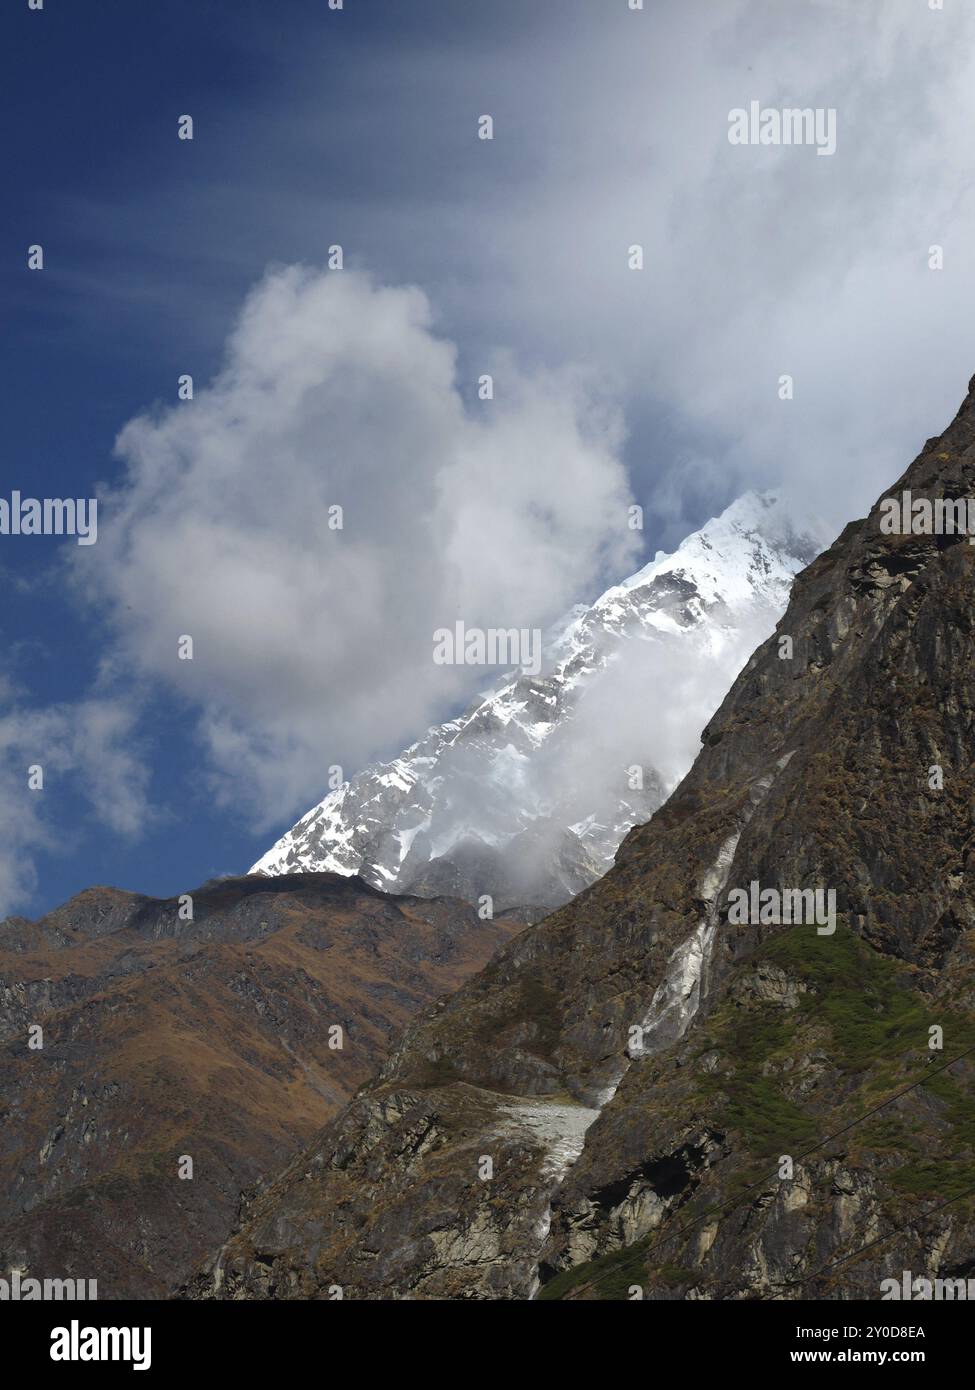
(527, 795)
(676, 1102)
(211, 1038)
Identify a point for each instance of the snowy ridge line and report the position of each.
(524, 796)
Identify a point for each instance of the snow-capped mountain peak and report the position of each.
(528, 793)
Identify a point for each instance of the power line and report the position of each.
(730, 1203)
(879, 1240)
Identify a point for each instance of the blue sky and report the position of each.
(315, 127)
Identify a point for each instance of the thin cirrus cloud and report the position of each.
(611, 129)
(313, 646)
(90, 746)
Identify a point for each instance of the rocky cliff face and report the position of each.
(213, 1039)
(653, 1094)
(527, 795)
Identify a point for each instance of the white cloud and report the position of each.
(611, 128)
(87, 749)
(759, 261)
(314, 646)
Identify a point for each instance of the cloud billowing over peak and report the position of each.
(527, 795)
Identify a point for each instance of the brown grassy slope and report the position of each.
(209, 1039)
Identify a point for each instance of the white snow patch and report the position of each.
(560, 1129)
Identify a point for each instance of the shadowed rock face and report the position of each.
(207, 1038)
(759, 1040)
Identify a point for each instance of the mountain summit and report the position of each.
(527, 795)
